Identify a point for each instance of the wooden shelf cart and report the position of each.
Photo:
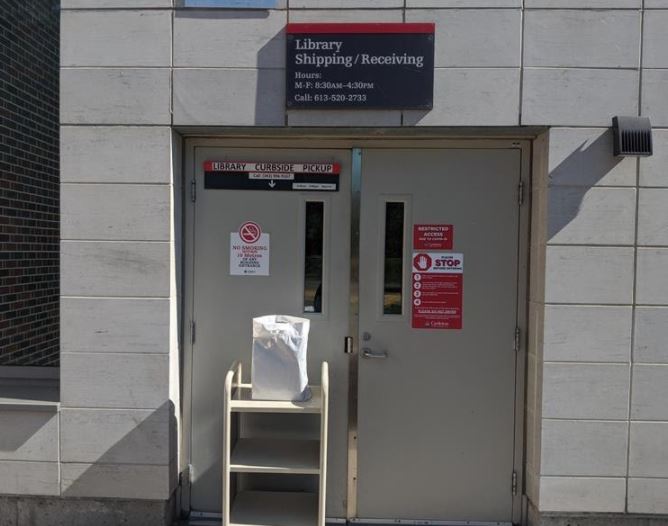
(278, 456)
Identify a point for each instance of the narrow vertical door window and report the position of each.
(313, 256)
(393, 267)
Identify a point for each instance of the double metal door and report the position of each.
(433, 434)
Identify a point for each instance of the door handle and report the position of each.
(378, 355)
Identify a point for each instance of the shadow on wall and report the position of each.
(270, 86)
(255, 79)
(577, 173)
(19, 427)
(130, 454)
(137, 463)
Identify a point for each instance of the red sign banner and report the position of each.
(432, 237)
(437, 290)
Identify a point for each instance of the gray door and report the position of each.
(436, 415)
(224, 304)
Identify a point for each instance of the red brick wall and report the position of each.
(29, 194)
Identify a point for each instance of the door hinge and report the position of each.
(520, 193)
(184, 491)
(518, 339)
(193, 190)
(192, 332)
(514, 483)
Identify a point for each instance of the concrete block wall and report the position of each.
(118, 411)
(604, 275)
(601, 440)
(118, 415)
(597, 361)
(648, 447)
(29, 453)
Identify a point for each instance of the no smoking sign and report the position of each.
(250, 232)
(249, 251)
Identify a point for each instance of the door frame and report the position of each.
(308, 139)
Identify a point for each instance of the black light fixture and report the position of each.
(632, 136)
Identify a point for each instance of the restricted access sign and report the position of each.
(249, 251)
(272, 175)
(432, 237)
(437, 290)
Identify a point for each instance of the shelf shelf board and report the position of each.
(261, 455)
(247, 405)
(273, 508)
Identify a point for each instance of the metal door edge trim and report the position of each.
(353, 330)
(526, 148)
(188, 171)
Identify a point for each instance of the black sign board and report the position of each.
(389, 66)
(272, 175)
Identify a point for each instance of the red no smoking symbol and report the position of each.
(250, 232)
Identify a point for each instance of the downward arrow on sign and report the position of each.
(272, 184)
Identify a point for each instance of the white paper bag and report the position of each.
(278, 370)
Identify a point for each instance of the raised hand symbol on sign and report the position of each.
(422, 262)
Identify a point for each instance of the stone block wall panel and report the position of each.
(474, 37)
(117, 325)
(146, 38)
(229, 39)
(569, 336)
(583, 494)
(582, 38)
(115, 96)
(584, 448)
(579, 96)
(654, 86)
(116, 436)
(583, 4)
(651, 335)
(233, 97)
(115, 154)
(655, 40)
(591, 216)
(654, 169)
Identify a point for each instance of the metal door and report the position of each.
(224, 304)
(436, 414)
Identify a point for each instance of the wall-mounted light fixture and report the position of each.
(632, 136)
